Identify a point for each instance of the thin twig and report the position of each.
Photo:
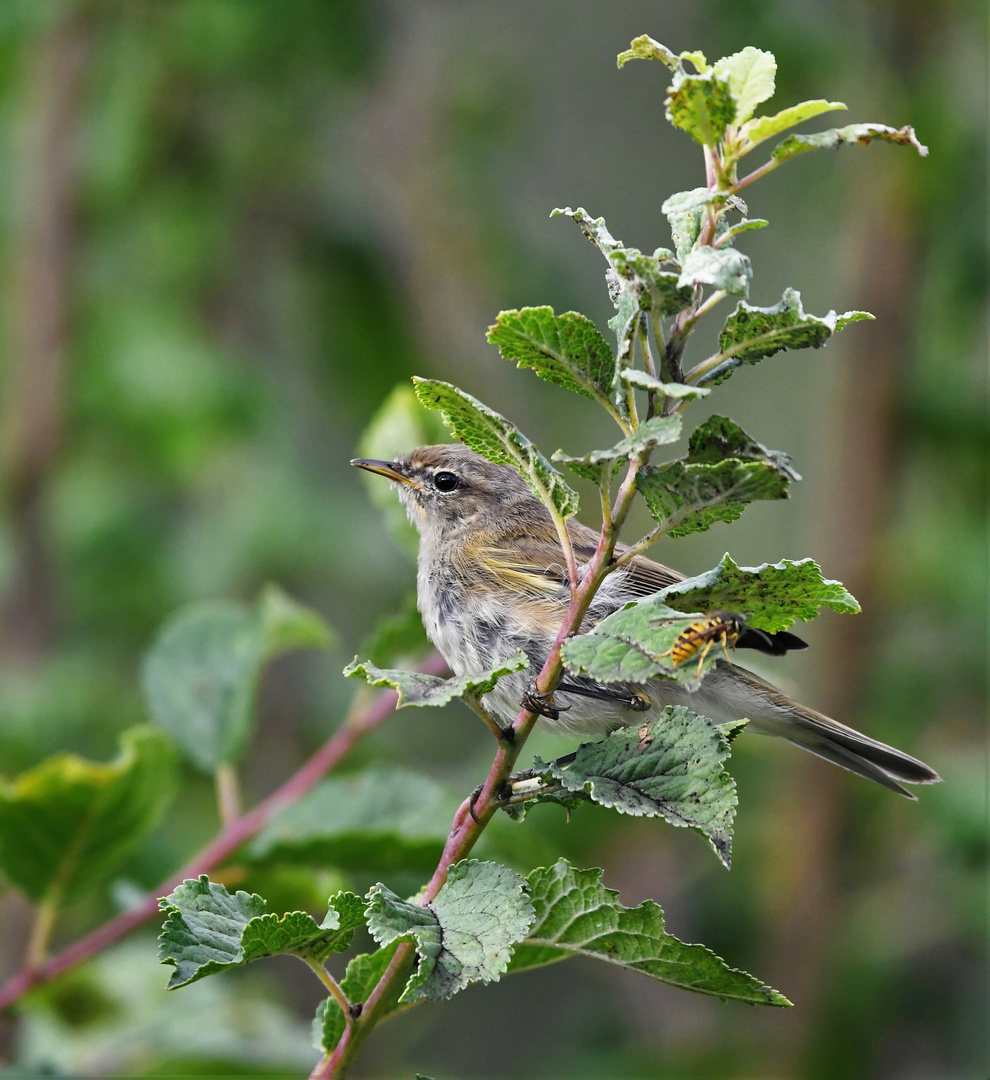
(765, 168)
(715, 298)
(490, 722)
(334, 988)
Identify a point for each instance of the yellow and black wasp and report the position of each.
(727, 630)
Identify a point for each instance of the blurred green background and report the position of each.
(229, 227)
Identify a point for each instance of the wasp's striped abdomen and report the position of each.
(701, 635)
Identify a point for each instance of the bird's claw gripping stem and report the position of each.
(542, 704)
(474, 798)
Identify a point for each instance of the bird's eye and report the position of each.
(445, 481)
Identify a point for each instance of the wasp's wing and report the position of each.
(779, 644)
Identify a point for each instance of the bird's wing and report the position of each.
(531, 563)
(646, 576)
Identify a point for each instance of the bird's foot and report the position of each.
(542, 704)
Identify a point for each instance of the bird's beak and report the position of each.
(383, 468)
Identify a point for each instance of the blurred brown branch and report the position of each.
(34, 376)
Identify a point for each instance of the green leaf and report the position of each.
(657, 431)
(772, 596)
(488, 433)
(701, 105)
(67, 824)
(684, 497)
(722, 268)
(200, 675)
(765, 127)
(287, 625)
(685, 228)
(418, 690)
(751, 76)
(400, 425)
(362, 976)
(564, 349)
(861, 134)
(719, 437)
(645, 48)
(633, 644)
(577, 916)
(465, 935)
(751, 333)
(671, 767)
(697, 57)
(644, 381)
(207, 929)
(386, 817)
(746, 225)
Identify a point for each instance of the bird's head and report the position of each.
(449, 490)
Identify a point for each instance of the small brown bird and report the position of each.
(492, 580)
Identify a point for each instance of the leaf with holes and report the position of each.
(464, 935)
(577, 916)
(638, 284)
(858, 134)
(751, 333)
(645, 48)
(772, 596)
(593, 228)
(208, 929)
(702, 105)
(656, 289)
(719, 438)
(67, 824)
(672, 766)
(489, 433)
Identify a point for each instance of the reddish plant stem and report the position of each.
(224, 844)
(473, 815)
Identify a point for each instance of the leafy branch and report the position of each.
(659, 300)
(231, 838)
(474, 920)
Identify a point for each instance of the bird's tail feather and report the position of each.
(773, 713)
